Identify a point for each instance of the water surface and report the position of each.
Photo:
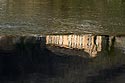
(26, 56)
(59, 16)
(58, 59)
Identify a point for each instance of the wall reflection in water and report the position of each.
(39, 58)
(88, 43)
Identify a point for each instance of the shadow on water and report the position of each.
(107, 75)
(30, 56)
(61, 58)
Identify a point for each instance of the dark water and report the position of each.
(97, 55)
(47, 59)
(59, 16)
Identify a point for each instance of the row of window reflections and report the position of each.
(91, 44)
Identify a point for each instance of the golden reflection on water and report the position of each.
(89, 43)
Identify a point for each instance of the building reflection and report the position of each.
(93, 45)
(89, 43)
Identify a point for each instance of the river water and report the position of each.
(55, 17)
(62, 41)
(83, 58)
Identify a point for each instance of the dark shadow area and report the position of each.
(107, 75)
(30, 57)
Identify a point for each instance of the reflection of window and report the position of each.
(57, 39)
(69, 40)
(60, 40)
(89, 41)
(75, 41)
(81, 39)
(50, 39)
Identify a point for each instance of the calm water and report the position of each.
(59, 16)
(58, 59)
